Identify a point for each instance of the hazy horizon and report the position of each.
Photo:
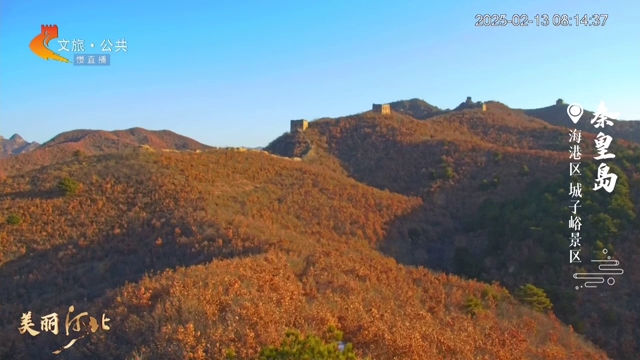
(5, 136)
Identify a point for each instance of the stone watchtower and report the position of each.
(384, 109)
(469, 104)
(299, 125)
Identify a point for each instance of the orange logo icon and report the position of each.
(39, 44)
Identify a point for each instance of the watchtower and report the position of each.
(484, 106)
(299, 125)
(384, 109)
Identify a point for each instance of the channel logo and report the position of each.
(39, 44)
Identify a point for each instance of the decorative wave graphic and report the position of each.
(606, 267)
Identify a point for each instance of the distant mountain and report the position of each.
(91, 142)
(557, 115)
(15, 145)
(554, 115)
(100, 140)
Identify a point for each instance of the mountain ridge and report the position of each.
(15, 145)
(472, 192)
(90, 142)
(493, 162)
(556, 115)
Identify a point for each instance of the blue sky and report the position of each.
(233, 73)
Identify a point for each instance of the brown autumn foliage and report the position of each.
(447, 161)
(409, 156)
(416, 108)
(191, 254)
(88, 142)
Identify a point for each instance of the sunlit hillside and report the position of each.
(238, 247)
(495, 186)
(88, 142)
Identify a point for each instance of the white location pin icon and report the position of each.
(575, 112)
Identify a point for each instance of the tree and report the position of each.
(473, 306)
(294, 346)
(14, 219)
(68, 186)
(534, 297)
(78, 153)
(449, 173)
(598, 250)
(603, 225)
